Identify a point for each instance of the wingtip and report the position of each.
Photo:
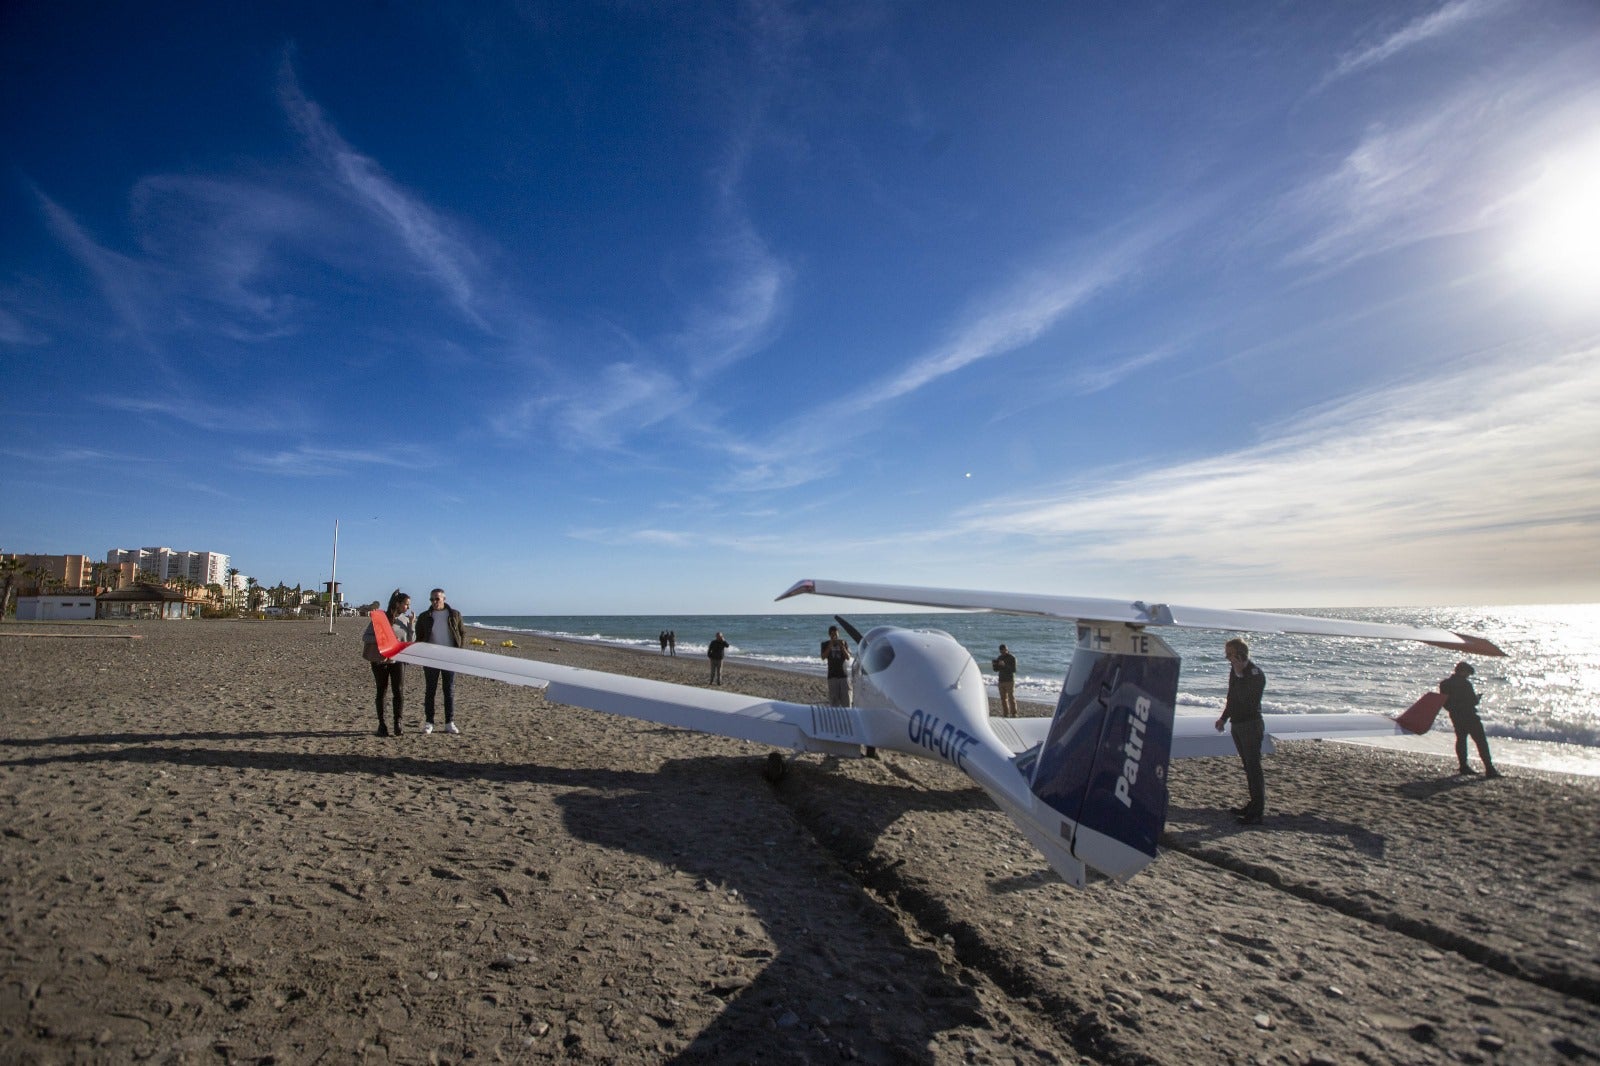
(799, 588)
(1478, 646)
(388, 644)
(1470, 644)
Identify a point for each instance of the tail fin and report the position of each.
(1418, 718)
(1103, 766)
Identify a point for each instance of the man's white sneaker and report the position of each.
(428, 728)
(450, 727)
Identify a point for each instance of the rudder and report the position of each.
(1103, 766)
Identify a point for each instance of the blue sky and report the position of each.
(651, 307)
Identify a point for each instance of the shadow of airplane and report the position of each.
(806, 1003)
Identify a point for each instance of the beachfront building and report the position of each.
(150, 601)
(51, 571)
(78, 605)
(164, 564)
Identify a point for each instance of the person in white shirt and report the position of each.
(440, 624)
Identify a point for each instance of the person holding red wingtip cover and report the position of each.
(386, 673)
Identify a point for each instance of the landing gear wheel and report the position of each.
(776, 769)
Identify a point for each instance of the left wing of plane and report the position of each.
(1139, 613)
(795, 726)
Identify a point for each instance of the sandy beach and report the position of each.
(209, 857)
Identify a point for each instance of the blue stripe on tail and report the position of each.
(1104, 763)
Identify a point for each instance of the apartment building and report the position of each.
(71, 571)
(202, 568)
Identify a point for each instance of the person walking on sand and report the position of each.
(714, 651)
(663, 642)
(672, 642)
(1005, 667)
(836, 653)
(1246, 684)
(440, 624)
(386, 673)
(1461, 701)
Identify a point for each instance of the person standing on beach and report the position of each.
(1246, 685)
(1461, 701)
(836, 653)
(663, 642)
(1005, 666)
(440, 624)
(714, 651)
(386, 673)
(672, 642)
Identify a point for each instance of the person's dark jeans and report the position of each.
(389, 675)
(432, 677)
(1247, 739)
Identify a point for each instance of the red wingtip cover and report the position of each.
(1418, 718)
(1470, 644)
(388, 644)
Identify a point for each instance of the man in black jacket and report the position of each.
(1246, 685)
(1461, 701)
(440, 624)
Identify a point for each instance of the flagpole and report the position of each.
(333, 578)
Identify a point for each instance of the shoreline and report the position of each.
(214, 858)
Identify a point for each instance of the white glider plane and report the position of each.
(1087, 787)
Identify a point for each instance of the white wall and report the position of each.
(54, 608)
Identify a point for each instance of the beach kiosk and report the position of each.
(57, 606)
(148, 601)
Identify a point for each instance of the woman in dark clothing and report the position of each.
(1461, 701)
(386, 673)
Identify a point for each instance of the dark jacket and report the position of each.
(458, 632)
(1459, 695)
(1244, 694)
(715, 649)
(1005, 667)
(837, 653)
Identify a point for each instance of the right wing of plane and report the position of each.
(795, 726)
(1139, 613)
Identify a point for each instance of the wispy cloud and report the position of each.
(1442, 170)
(255, 416)
(311, 461)
(129, 286)
(735, 319)
(601, 411)
(1037, 301)
(67, 454)
(1488, 472)
(14, 331)
(1439, 23)
(448, 259)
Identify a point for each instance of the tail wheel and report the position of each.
(777, 768)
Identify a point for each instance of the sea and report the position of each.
(1540, 703)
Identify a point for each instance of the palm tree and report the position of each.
(11, 568)
(233, 587)
(253, 597)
